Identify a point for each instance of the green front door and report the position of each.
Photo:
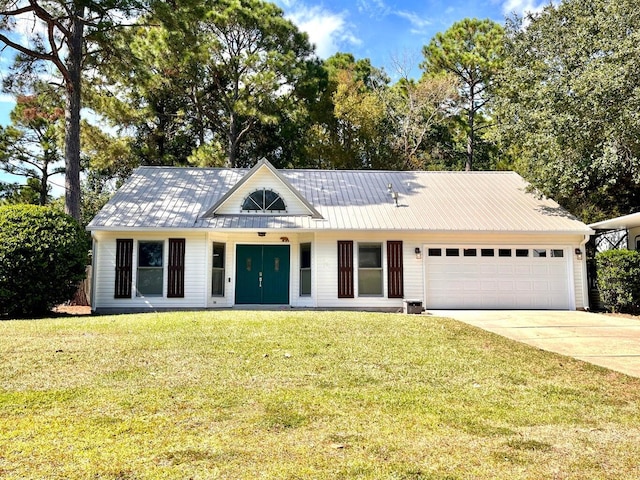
(262, 274)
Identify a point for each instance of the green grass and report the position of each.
(303, 395)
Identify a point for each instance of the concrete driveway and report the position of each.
(608, 341)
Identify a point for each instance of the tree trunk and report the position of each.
(72, 116)
(44, 184)
(470, 136)
(233, 141)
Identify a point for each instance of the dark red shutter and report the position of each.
(175, 288)
(345, 269)
(124, 261)
(395, 275)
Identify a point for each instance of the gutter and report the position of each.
(584, 232)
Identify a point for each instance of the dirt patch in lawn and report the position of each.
(72, 310)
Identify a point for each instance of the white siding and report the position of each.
(578, 267)
(105, 272)
(327, 270)
(323, 260)
(263, 178)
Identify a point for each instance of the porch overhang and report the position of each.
(625, 222)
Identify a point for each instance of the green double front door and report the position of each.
(262, 274)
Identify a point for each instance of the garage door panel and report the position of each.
(540, 269)
(557, 269)
(497, 282)
(506, 286)
(523, 286)
(506, 269)
(488, 269)
(523, 269)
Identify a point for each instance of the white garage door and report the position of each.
(500, 277)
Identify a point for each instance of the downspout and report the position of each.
(583, 268)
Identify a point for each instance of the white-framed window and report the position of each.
(217, 270)
(264, 201)
(150, 268)
(369, 269)
(305, 269)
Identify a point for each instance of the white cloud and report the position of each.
(374, 8)
(522, 7)
(327, 30)
(419, 23)
(6, 98)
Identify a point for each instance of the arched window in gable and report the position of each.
(264, 201)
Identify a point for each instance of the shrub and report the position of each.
(619, 280)
(43, 255)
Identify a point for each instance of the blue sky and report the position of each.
(385, 29)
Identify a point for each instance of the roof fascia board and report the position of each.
(619, 223)
(262, 163)
(343, 230)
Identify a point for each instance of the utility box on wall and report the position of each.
(412, 306)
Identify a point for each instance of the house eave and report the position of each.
(329, 230)
(624, 222)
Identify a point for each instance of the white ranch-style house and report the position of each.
(194, 238)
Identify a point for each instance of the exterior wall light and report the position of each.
(578, 253)
(418, 253)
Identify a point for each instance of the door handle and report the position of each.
(260, 280)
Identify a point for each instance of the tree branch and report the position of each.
(19, 11)
(27, 51)
(46, 17)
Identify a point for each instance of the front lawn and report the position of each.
(303, 395)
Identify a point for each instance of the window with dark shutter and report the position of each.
(124, 268)
(175, 287)
(395, 275)
(345, 269)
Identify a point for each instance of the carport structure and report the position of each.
(619, 232)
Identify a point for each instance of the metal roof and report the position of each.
(618, 223)
(179, 198)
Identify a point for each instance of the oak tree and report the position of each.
(569, 101)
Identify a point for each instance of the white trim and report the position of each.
(583, 270)
(624, 222)
(341, 231)
(94, 260)
(572, 280)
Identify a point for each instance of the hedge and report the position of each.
(619, 280)
(43, 255)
